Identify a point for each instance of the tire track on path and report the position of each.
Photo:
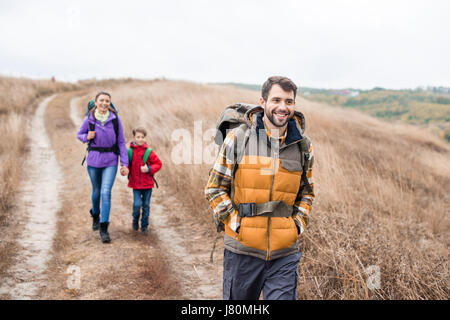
(40, 203)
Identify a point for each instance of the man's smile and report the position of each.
(280, 114)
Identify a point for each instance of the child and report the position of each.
(141, 177)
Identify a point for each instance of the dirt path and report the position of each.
(60, 257)
(184, 245)
(189, 249)
(131, 266)
(40, 203)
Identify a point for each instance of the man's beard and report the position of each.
(271, 118)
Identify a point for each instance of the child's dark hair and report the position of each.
(141, 130)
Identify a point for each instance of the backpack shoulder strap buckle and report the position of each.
(271, 208)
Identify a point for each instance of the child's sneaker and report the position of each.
(144, 231)
(135, 225)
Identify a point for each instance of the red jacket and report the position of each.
(138, 179)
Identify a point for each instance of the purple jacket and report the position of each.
(104, 137)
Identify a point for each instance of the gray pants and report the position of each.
(244, 277)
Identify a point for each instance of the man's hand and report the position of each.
(124, 171)
(91, 135)
(144, 169)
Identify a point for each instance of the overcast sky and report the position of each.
(320, 43)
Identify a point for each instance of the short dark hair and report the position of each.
(285, 83)
(100, 93)
(141, 130)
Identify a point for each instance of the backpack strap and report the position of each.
(147, 153)
(91, 128)
(130, 156)
(242, 134)
(115, 122)
(304, 146)
(271, 208)
(115, 147)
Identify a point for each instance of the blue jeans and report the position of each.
(141, 198)
(245, 276)
(102, 180)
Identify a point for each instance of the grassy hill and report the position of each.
(378, 203)
(418, 107)
(381, 188)
(429, 108)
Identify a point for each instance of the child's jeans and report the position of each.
(141, 198)
(102, 180)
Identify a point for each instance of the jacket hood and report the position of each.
(133, 145)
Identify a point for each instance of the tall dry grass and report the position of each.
(382, 200)
(382, 190)
(18, 100)
(12, 146)
(18, 94)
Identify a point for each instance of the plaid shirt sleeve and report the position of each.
(302, 208)
(218, 188)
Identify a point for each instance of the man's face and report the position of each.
(279, 107)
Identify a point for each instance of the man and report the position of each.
(262, 196)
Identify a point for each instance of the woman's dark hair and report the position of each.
(102, 93)
(285, 83)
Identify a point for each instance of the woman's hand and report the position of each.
(124, 171)
(91, 135)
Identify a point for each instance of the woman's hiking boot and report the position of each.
(144, 231)
(104, 232)
(95, 220)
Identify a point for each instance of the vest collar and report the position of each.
(293, 133)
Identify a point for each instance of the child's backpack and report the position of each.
(147, 153)
(91, 105)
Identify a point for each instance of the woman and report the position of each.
(103, 131)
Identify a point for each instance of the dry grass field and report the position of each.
(382, 190)
(19, 98)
